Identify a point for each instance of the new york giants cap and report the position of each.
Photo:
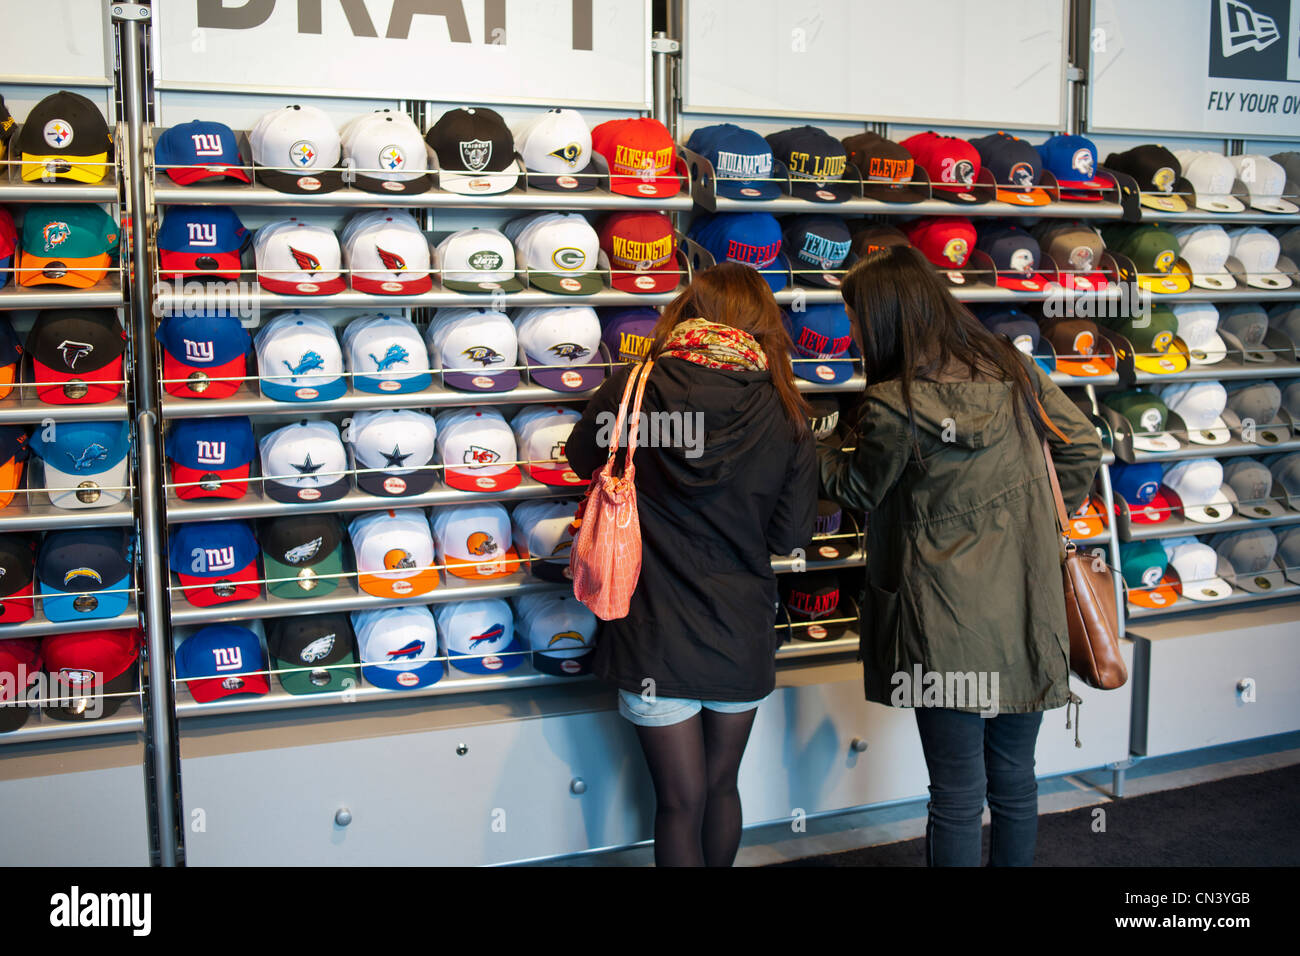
(200, 242)
(640, 155)
(543, 534)
(198, 151)
(387, 254)
(1198, 483)
(87, 665)
(816, 161)
(947, 243)
(298, 258)
(210, 457)
(1146, 580)
(385, 354)
(952, 164)
(1073, 161)
(540, 434)
(204, 356)
(1015, 254)
(20, 666)
(1140, 487)
(477, 350)
(18, 559)
(304, 461)
(640, 250)
(394, 552)
(1252, 483)
(1211, 175)
(750, 238)
(474, 541)
(300, 359)
(477, 449)
(296, 149)
(478, 260)
(1200, 405)
(1265, 181)
(556, 149)
(1205, 249)
(561, 346)
(1248, 559)
(386, 153)
(1249, 323)
(887, 168)
(76, 356)
(742, 161)
(480, 636)
(1016, 168)
(476, 152)
(84, 573)
(394, 451)
(1257, 250)
(1197, 568)
(822, 340)
(65, 137)
(1198, 327)
(222, 660)
(215, 562)
(302, 555)
(85, 463)
(312, 654)
(560, 251)
(560, 630)
(398, 647)
(819, 250)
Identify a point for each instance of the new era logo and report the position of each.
(1241, 28)
(206, 144)
(202, 233)
(211, 452)
(1244, 40)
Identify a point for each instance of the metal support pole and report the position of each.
(664, 49)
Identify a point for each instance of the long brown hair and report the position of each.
(736, 295)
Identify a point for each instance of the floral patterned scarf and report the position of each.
(715, 346)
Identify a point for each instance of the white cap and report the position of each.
(560, 250)
(473, 541)
(556, 149)
(563, 345)
(478, 260)
(1257, 251)
(385, 353)
(304, 461)
(542, 534)
(482, 633)
(1197, 567)
(394, 552)
(476, 349)
(477, 449)
(387, 253)
(1212, 176)
(387, 151)
(299, 359)
(393, 449)
(299, 149)
(1205, 249)
(398, 646)
(1198, 327)
(1198, 483)
(298, 258)
(540, 434)
(1265, 180)
(1200, 405)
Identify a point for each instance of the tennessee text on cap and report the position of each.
(628, 333)
(822, 341)
(398, 647)
(17, 576)
(1248, 559)
(478, 260)
(556, 150)
(394, 552)
(394, 449)
(750, 238)
(1076, 250)
(1015, 255)
(477, 350)
(640, 250)
(304, 461)
(813, 600)
(66, 245)
(1016, 168)
(480, 636)
(543, 535)
(1257, 250)
(1073, 161)
(473, 541)
(1154, 252)
(947, 242)
(540, 434)
(310, 654)
(76, 356)
(387, 254)
(1198, 325)
(561, 346)
(84, 573)
(476, 151)
(300, 359)
(204, 356)
(1198, 483)
(560, 630)
(1159, 176)
(386, 153)
(871, 238)
(1077, 344)
(222, 660)
(560, 251)
(1286, 472)
(85, 463)
(13, 452)
(1197, 567)
(1155, 347)
(385, 354)
(302, 555)
(92, 672)
(816, 161)
(640, 155)
(1211, 175)
(1139, 487)
(1249, 323)
(1252, 483)
(20, 666)
(1253, 408)
(298, 258)
(211, 457)
(1205, 249)
(65, 137)
(952, 164)
(818, 249)
(1265, 180)
(1146, 583)
(197, 151)
(215, 562)
(477, 449)
(886, 167)
(743, 167)
(1147, 418)
(1200, 405)
(296, 149)
(200, 242)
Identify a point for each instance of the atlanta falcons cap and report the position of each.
(1016, 168)
(76, 356)
(90, 666)
(560, 251)
(1075, 248)
(561, 346)
(1286, 472)
(312, 654)
(210, 457)
(952, 164)
(477, 449)
(8, 246)
(386, 154)
(887, 168)
(1015, 254)
(1146, 579)
(874, 237)
(478, 260)
(1198, 483)
(540, 434)
(477, 350)
(20, 665)
(1155, 347)
(947, 243)
(1257, 404)
(302, 555)
(813, 600)
(198, 151)
(559, 629)
(1205, 249)
(476, 152)
(387, 254)
(298, 258)
(818, 249)
(394, 552)
(640, 155)
(296, 149)
(473, 541)
(1073, 161)
(222, 660)
(1077, 344)
(398, 647)
(1248, 559)
(385, 354)
(1257, 250)
(816, 161)
(1265, 181)
(67, 245)
(1154, 251)
(300, 359)
(640, 250)
(1252, 483)
(1198, 327)
(1200, 405)
(1159, 176)
(628, 333)
(304, 461)
(480, 636)
(215, 562)
(1147, 417)
(200, 242)
(85, 463)
(1249, 323)
(822, 343)
(1139, 486)
(394, 451)
(1211, 175)
(750, 238)
(742, 161)
(17, 579)
(1196, 566)
(65, 137)
(84, 573)
(556, 149)
(204, 356)
(543, 534)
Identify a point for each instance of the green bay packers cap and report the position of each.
(1147, 417)
(313, 655)
(302, 555)
(1154, 251)
(559, 252)
(1156, 348)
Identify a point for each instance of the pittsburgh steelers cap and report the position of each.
(1249, 323)
(1265, 181)
(540, 434)
(556, 149)
(743, 167)
(1211, 175)
(302, 555)
(204, 356)
(386, 153)
(1198, 327)
(311, 654)
(87, 665)
(1145, 565)
(1257, 251)
(215, 562)
(476, 151)
(394, 552)
(560, 252)
(394, 449)
(1147, 417)
(480, 636)
(197, 151)
(1197, 567)
(1205, 249)
(387, 254)
(628, 333)
(543, 534)
(398, 647)
(560, 630)
(84, 573)
(561, 346)
(211, 457)
(18, 560)
(818, 249)
(76, 356)
(296, 149)
(85, 463)
(385, 354)
(477, 449)
(298, 258)
(299, 358)
(20, 665)
(304, 461)
(222, 660)
(476, 349)
(1248, 559)
(1252, 483)
(65, 137)
(473, 541)
(1200, 405)
(478, 260)
(1198, 483)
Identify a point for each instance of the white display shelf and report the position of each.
(38, 626)
(40, 728)
(1230, 449)
(14, 191)
(1177, 526)
(861, 206)
(1230, 369)
(33, 512)
(1237, 598)
(1247, 217)
(104, 294)
(16, 409)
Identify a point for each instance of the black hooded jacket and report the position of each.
(701, 621)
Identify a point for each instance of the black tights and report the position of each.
(694, 765)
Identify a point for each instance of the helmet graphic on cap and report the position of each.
(481, 543)
(397, 559)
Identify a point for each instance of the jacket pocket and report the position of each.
(881, 635)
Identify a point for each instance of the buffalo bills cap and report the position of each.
(1198, 327)
(473, 541)
(1257, 252)
(202, 242)
(394, 553)
(556, 150)
(1145, 565)
(559, 629)
(560, 251)
(1265, 180)
(742, 161)
(818, 249)
(750, 238)
(952, 164)
(1248, 559)
(543, 535)
(13, 453)
(1286, 472)
(477, 350)
(1249, 323)
(398, 647)
(540, 435)
(1015, 254)
(478, 260)
(1159, 176)
(204, 356)
(198, 151)
(302, 555)
(304, 461)
(628, 333)
(1076, 249)
(1257, 404)
(222, 660)
(1205, 248)
(215, 562)
(822, 342)
(480, 636)
(813, 602)
(85, 463)
(20, 666)
(640, 155)
(296, 149)
(90, 665)
(1077, 344)
(1198, 483)
(477, 449)
(1147, 417)
(298, 258)
(1252, 483)
(947, 243)
(476, 152)
(385, 354)
(640, 251)
(1211, 175)
(67, 245)
(210, 457)
(1200, 405)
(1288, 553)
(65, 137)
(1197, 567)
(76, 356)
(300, 360)
(18, 561)
(1073, 161)
(312, 654)
(1016, 168)
(394, 451)
(386, 254)
(1139, 487)
(887, 168)
(561, 346)
(386, 154)
(84, 573)
(816, 161)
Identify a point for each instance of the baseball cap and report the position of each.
(1021, 330)
(887, 168)
(300, 359)
(1265, 180)
(394, 552)
(296, 149)
(1076, 250)
(1198, 483)
(540, 434)
(1252, 483)
(86, 665)
(628, 333)
(6, 127)
(13, 452)
(477, 449)
(1259, 403)
(85, 463)
(197, 151)
(1285, 317)
(560, 251)
(1155, 347)
(215, 562)
(1159, 176)
(1257, 251)
(200, 242)
(947, 242)
(76, 356)
(480, 636)
(304, 461)
(816, 162)
(473, 541)
(1016, 168)
(20, 663)
(1200, 405)
(543, 535)
(1197, 568)
(1198, 324)
(1154, 251)
(8, 245)
(1286, 472)
(561, 346)
(477, 350)
(1248, 559)
(1205, 249)
(1140, 488)
(1145, 565)
(476, 151)
(1288, 550)
(818, 249)
(1015, 256)
(478, 260)
(386, 253)
(204, 356)
(750, 238)
(1147, 417)
(640, 250)
(310, 654)
(742, 161)
(871, 238)
(84, 573)
(952, 164)
(394, 451)
(560, 630)
(810, 598)
(398, 647)
(1078, 347)
(1072, 160)
(222, 660)
(1211, 175)
(302, 555)
(1289, 242)
(384, 354)
(18, 559)
(211, 457)
(386, 153)
(65, 137)
(831, 541)
(640, 155)
(69, 245)
(556, 150)
(1249, 323)
(822, 343)
(1291, 402)
(298, 258)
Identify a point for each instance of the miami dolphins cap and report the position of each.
(222, 660)
(1198, 327)
(822, 343)
(1077, 344)
(640, 250)
(952, 164)
(394, 451)
(480, 636)
(1205, 249)
(477, 350)
(1016, 168)
(476, 152)
(543, 535)
(398, 647)
(300, 359)
(1196, 566)
(199, 151)
(1211, 175)
(473, 541)
(18, 559)
(386, 154)
(478, 260)
(298, 258)
(1146, 577)
(296, 149)
(1252, 484)
(215, 562)
(394, 553)
(887, 168)
(65, 137)
(1198, 483)
(560, 251)
(556, 150)
(8, 246)
(477, 449)
(743, 167)
(1159, 176)
(84, 573)
(304, 461)
(559, 629)
(1156, 348)
(751, 238)
(628, 333)
(817, 163)
(1286, 472)
(1257, 404)
(1248, 559)
(201, 242)
(561, 346)
(640, 155)
(947, 243)
(1249, 323)
(1200, 405)
(210, 457)
(1147, 417)
(1073, 161)
(1257, 250)
(1154, 251)
(67, 245)
(813, 601)
(85, 463)
(204, 356)
(386, 253)
(312, 654)
(818, 249)
(92, 673)
(385, 354)
(1265, 180)
(76, 356)
(20, 666)
(302, 555)
(1076, 250)
(1015, 254)
(540, 434)
(1140, 488)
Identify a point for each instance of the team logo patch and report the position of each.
(1163, 179)
(392, 158)
(302, 154)
(569, 258)
(478, 455)
(486, 261)
(569, 153)
(1022, 260)
(397, 559)
(72, 351)
(476, 154)
(1083, 162)
(308, 468)
(1081, 257)
(55, 234)
(482, 354)
(303, 552)
(1022, 174)
(1151, 420)
(412, 650)
(58, 133)
(569, 350)
(955, 251)
(1083, 343)
(396, 458)
(566, 636)
(306, 261)
(1162, 341)
(396, 355)
(317, 649)
(391, 260)
(310, 361)
(77, 573)
(493, 633)
(92, 453)
(480, 543)
(1165, 261)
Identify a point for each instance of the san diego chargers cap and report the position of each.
(1248, 559)
(84, 573)
(385, 154)
(398, 647)
(1205, 248)
(204, 356)
(743, 167)
(198, 151)
(20, 666)
(560, 251)
(222, 660)
(1265, 181)
(477, 449)
(751, 238)
(1252, 483)
(85, 463)
(476, 152)
(477, 350)
(302, 555)
(640, 250)
(394, 451)
(640, 155)
(819, 250)
(813, 601)
(296, 149)
(385, 354)
(817, 163)
(298, 258)
(210, 457)
(200, 242)
(543, 534)
(1015, 254)
(1198, 327)
(1196, 566)
(1200, 405)
(480, 636)
(76, 356)
(1256, 405)
(394, 552)
(300, 359)
(1139, 485)
(386, 253)
(1249, 323)
(561, 347)
(1156, 348)
(628, 333)
(540, 435)
(559, 629)
(1016, 168)
(822, 341)
(1146, 580)
(1077, 344)
(887, 168)
(92, 672)
(304, 461)
(1211, 175)
(18, 560)
(67, 245)
(1198, 483)
(65, 137)
(312, 654)
(8, 246)
(947, 243)
(478, 260)
(1073, 161)
(215, 562)
(556, 150)
(1075, 248)
(1159, 176)
(1257, 250)
(473, 541)
(952, 164)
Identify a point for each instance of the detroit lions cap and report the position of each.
(1211, 175)
(394, 451)
(204, 356)
(1265, 180)
(296, 149)
(1147, 584)
(477, 350)
(1252, 483)
(628, 333)
(386, 154)
(742, 161)
(818, 249)
(85, 463)
(480, 636)
(822, 343)
(20, 666)
(1200, 405)
(210, 457)
(543, 535)
(90, 665)
(1257, 250)
(560, 251)
(887, 168)
(1198, 327)
(1249, 323)
(17, 583)
(640, 155)
(76, 356)
(476, 152)
(473, 541)
(540, 435)
(302, 555)
(201, 242)
(1147, 417)
(398, 647)
(1016, 168)
(1159, 176)
(559, 629)
(1248, 559)
(385, 354)
(312, 654)
(300, 359)
(561, 346)
(477, 449)
(556, 150)
(84, 573)
(215, 562)
(751, 238)
(478, 260)
(222, 660)
(1073, 161)
(304, 461)
(198, 151)
(1198, 483)
(640, 250)
(387, 254)
(817, 163)
(65, 137)
(394, 553)
(1197, 568)
(298, 258)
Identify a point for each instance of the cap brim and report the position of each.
(202, 591)
(903, 193)
(188, 175)
(502, 566)
(959, 195)
(1023, 197)
(574, 378)
(305, 287)
(1163, 363)
(1216, 434)
(112, 694)
(78, 169)
(414, 285)
(422, 674)
(19, 606)
(1019, 282)
(583, 181)
(1261, 582)
(397, 486)
(563, 666)
(1156, 441)
(409, 382)
(395, 187)
(1216, 202)
(308, 391)
(502, 381)
(1210, 352)
(1273, 204)
(464, 480)
(1267, 508)
(219, 381)
(298, 680)
(822, 371)
(305, 183)
(72, 492)
(190, 265)
(1173, 283)
(1217, 281)
(559, 476)
(660, 187)
(1087, 525)
(110, 601)
(190, 483)
(829, 192)
(1163, 202)
(568, 283)
(75, 273)
(1162, 595)
(1083, 282)
(649, 282)
(747, 189)
(1214, 511)
(1156, 511)
(506, 659)
(1208, 589)
(1268, 280)
(1083, 367)
(383, 585)
(510, 284)
(292, 494)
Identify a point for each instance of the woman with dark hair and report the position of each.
(730, 481)
(963, 552)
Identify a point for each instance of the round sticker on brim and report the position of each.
(826, 195)
(830, 279)
(570, 285)
(571, 379)
(825, 373)
(489, 285)
(307, 287)
(750, 191)
(393, 186)
(308, 494)
(309, 183)
(389, 386)
(1217, 435)
(493, 663)
(816, 632)
(566, 182)
(485, 483)
(1268, 280)
(407, 679)
(394, 485)
(644, 282)
(1156, 441)
(305, 393)
(391, 286)
(645, 189)
(482, 381)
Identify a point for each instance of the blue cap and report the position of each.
(627, 333)
(200, 143)
(751, 238)
(11, 349)
(1023, 332)
(221, 660)
(82, 448)
(1136, 484)
(818, 246)
(201, 230)
(741, 159)
(822, 334)
(480, 636)
(13, 444)
(208, 444)
(1071, 159)
(84, 573)
(192, 545)
(203, 341)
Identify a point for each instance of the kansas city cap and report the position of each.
(816, 161)
(1265, 180)
(298, 258)
(476, 151)
(477, 449)
(628, 333)
(204, 356)
(477, 350)
(84, 573)
(1159, 176)
(560, 251)
(1076, 250)
(394, 552)
(1249, 323)
(386, 153)
(304, 461)
(640, 250)
(1147, 417)
(474, 541)
(561, 346)
(1205, 249)
(1257, 251)
(543, 535)
(1286, 472)
(887, 168)
(1146, 583)
(1016, 168)
(478, 260)
(311, 654)
(1077, 344)
(822, 343)
(1252, 483)
(90, 665)
(1073, 161)
(1198, 483)
(480, 636)
(85, 463)
(1154, 251)
(750, 238)
(387, 254)
(540, 435)
(200, 242)
(1200, 405)
(65, 137)
(302, 555)
(20, 665)
(385, 354)
(1211, 175)
(1156, 349)
(215, 562)
(222, 660)
(952, 164)
(394, 449)
(300, 359)
(560, 630)
(1015, 254)
(813, 600)
(1248, 559)
(641, 157)
(68, 245)
(947, 243)
(1257, 404)
(398, 647)
(18, 560)
(76, 356)
(818, 249)
(197, 151)
(556, 150)
(1197, 567)
(296, 149)
(1140, 488)
(743, 167)
(1198, 327)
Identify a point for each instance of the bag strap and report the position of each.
(636, 412)
(1062, 515)
(639, 375)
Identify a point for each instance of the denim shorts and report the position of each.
(663, 711)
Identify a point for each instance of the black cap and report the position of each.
(833, 537)
(823, 415)
(65, 555)
(887, 168)
(76, 341)
(877, 236)
(810, 599)
(818, 248)
(472, 140)
(316, 641)
(89, 128)
(13, 445)
(17, 563)
(300, 540)
(6, 126)
(1145, 164)
(11, 349)
(816, 161)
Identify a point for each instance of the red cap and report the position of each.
(952, 164)
(181, 265)
(17, 607)
(946, 241)
(101, 385)
(641, 157)
(560, 474)
(106, 653)
(210, 482)
(243, 584)
(215, 381)
(642, 251)
(15, 653)
(1162, 506)
(8, 234)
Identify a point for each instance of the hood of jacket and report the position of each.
(966, 414)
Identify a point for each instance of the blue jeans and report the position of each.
(970, 757)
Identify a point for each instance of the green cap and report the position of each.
(311, 654)
(302, 555)
(1147, 417)
(1154, 252)
(1144, 563)
(68, 232)
(1155, 344)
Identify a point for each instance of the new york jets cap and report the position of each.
(85, 463)
(818, 249)
(1198, 327)
(222, 660)
(394, 451)
(386, 253)
(1200, 405)
(296, 149)
(480, 636)
(1249, 323)
(1248, 559)
(385, 354)
(210, 457)
(1197, 566)
(1147, 419)
(298, 258)
(1257, 250)
(215, 562)
(1146, 582)
(87, 666)
(560, 251)
(302, 555)
(478, 260)
(198, 151)
(559, 629)
(204, 356)
(1211, 175)
(477, 449)
(315, 654)
(299, 358)
(543, 535)
(742, 161)
(1265, 180)
(84, 573)
(394, 553)
(561, 346)
(473, 541)
(398, 647)
(556, 149)
(1205, 249)
(477, 350)
(66, 138)
(386, 153)
(476, 152)
(540, 434)
(76, 356)
(1198, 483)
(201, 242)
(1252, 483)
(304, 461)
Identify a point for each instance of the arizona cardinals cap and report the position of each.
(200, 242)
(222, 660)
(1077, 344)
(296, 149)
(478, 260)
(480, 636)
(477, 350)
(1146, 580)
(742, 161)
(818, 249)
(300, 359)
(298, 258)
(817, 163)
(387, 254)
(640, 250)
(312, 654)
(473, 541)
(304, 461)
(1154, 251)
(628, 333)
(204, 356)
(1265, 181)
(560, 251)
(76, 356)
(1249, 323)
(822, 341)
(561, 346)
(1197, 568)
(1156, 349)
(198, 151)
(1198, 483)
(477, 449)
(65, 137)
(302, 555)
(1256, 404)
(1248, 559)
(84, 573)
(947, 243)
(1015, 254)
(1200, 405)
(540, 434)
(1159, 176)
(398, 647)
(874, 237)
(1198, 327)
(1016, 168)
(1257, 250)
(85, 463)
(1211, 175)
(543, 535)
(215, 562)
(18, 561)
(1252, 483)
(20, 666)
(750, 238)
(385, 354)
(1205, 249)
(1147, 417)
(1073, 161)
(887, 168)
(640, 155)
(476, 152)
(1075, 248)
(394, 451)
(556, 150)
(394, 552)
(1286, 472)
(813, 600)
(67, 245)
(952, 164)
(559, 629)
(386, 154)
(92, 672)
(1139, 486)
(8, 246)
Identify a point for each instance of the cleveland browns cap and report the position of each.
(394, 553)
(887, 168)
(473, 541)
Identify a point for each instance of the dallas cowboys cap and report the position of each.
(742, 161)
(543, 535)
(215, 562)
(1257, 251)
(1205, 249)
(478, 260)
(1211, 175)
(540, 434)
(76, 356)
(818, 249)
(394, 451)
(480, 636)
(1249, 323)
(1265, 181)
(298, 258)
(315, 654)
(477, 449)
(300, 359)
(200, 242)
(304, 461)
(476, 151)
(473, 541)
(560, 251)
(386, 153)
(477, 350)
(385, 354)
(1200, 405)
(222, 660)
(556, 150)
(90, 667)
(84, 573)
(302, 555)
(296, 149)
(559, 629)
(394, 553)
(387, 254)
(1198, 327)
(822, 343)
(198, 151)
(561, 346)
(628, 333)
(1198, 483)
(398, 647)
(210, 457)
(1197, 567)
(1248, 559)
(750, 238)
(85, 463)
(204, 356)
(1252, 483)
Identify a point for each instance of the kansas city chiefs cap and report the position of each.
(560, 251)
(887, 168)
(296, 149)
(480, 636)
(556, 149)
(200, 242)
(478, 260)
(628, 333)
(300, 359)
(85, 463)
(640, 250)
(199, 151)
(92, 672)
(65, 137)
(1159, 176)
(76, 356)
(1198, 485)
(298, 258)
(1252, 483)
(387, 254)
(559, 629)
(394, 552)
(215, 562)
(386, 154)
(1016, 168)
(17, 577)
(474, 541)
(304, 461)
(302, 555)
(543, 533)
(398, 647)
(476, 151)
(20, 666)
(816, 161)
(743, 166)
(394, 451)
(477, 350)
(641, 157)
(952, 164)
(750, 238)
(477, 449)
(312, 654)
(822, 341)
(210, 457)
(561, 346)
(204, 356)
(540, 434)
(385, 354)
(1073, 161)
(818, 249)
(67, 245)
(1211, 175)
(84, 573)
(222, 660)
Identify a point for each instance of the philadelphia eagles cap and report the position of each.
(476, 152)
(1248, 559)
(66, 138)
(385, 354)
(556, 149)
(84, 573)
(561, 347)
(85, 463)
(1211, 175)
(1159, 176)
(76, 356)
(1252, 483)
(199, 151)
(540, 435)
(394, 450)
(480, 636)
(312, 654)
(387, 254)
(817, 163)
(394, 553)
(92, 673)
(302, 555)
(215, 562)
(17, 583)
(222, 660)
(478, 260)
(1198, 483)
(304, 461)
(477, 449)
(204, 356)
(543, 535)
(559, 629)
(298, 258)
(66, 245)
(296, 149)
(818, 249)
(473, 541)
(210, 457)
(477, 350)
(398, 647)
(1200, 405)
(743, 167)
(560, 251)
(300, 360)
(386, 154)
